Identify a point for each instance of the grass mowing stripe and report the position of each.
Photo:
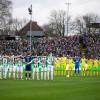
(61, 88)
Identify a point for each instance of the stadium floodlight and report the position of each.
(67, 22)
(30, 13)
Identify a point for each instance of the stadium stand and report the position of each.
(71, 45)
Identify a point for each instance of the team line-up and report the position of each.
(44, 67)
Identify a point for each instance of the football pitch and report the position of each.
(61, 88)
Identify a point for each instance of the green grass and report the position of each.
(61, 88)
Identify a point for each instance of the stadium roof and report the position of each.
(94, 25)
(26, 29)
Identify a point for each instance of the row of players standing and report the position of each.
(9, 65)
(87, 66)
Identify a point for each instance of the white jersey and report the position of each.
(35, 60)
(51, 68)
(0, 60)
(5, 62)
(43, 60)
(0, 63)
(12, 59)
(9, 62)
(20, 62)
(50, 60)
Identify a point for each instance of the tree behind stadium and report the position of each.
(56, 23)
(5, 16)
(81, 23)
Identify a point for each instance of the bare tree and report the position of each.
(57, 20)
(18, 24)
(57, 23)
(79, 25)
(82, 22)
(88, 19)
(48, 30)
(5, 15)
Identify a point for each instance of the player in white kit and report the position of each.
(50, 67)
(19, 66)
(12, 67)
(36, 68)
(44, 68)
(5, 65)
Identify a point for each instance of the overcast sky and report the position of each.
(42, 8)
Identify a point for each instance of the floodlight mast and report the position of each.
(67, 22)
(30, 13)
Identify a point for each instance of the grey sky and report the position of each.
(42, 8)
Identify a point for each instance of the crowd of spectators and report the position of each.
(58, 45)
(70, 45)
(92, 44)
